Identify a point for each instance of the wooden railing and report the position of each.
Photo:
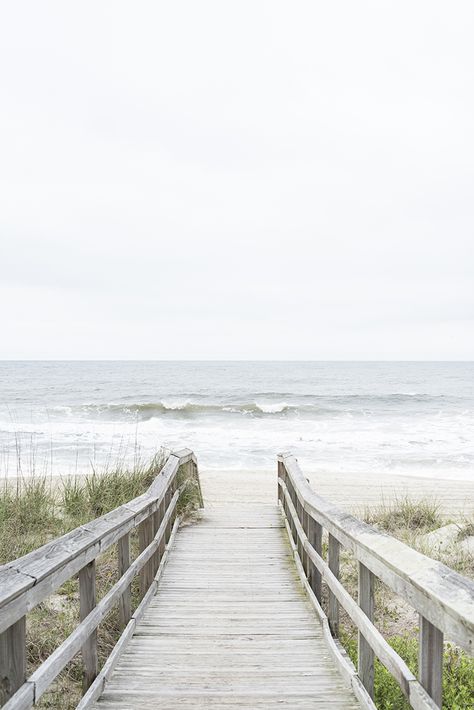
(443, 598)
(29, 580)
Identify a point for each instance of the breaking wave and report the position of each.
(307, 405)
(148, 410)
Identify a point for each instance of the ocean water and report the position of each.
(409, 418)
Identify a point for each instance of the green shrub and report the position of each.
(458, 675)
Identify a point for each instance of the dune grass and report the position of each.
(39, 509)
(405, 514)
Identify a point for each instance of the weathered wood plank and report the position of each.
(125, 603)
(365, 654)
(23, 698)
(333, 564)
(145, 536)
(430, 663)
(87, 602)
(315, 537)
(12, 659)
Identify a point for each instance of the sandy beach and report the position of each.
(352, 492)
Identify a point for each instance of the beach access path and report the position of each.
(351, 491)
(230, 626)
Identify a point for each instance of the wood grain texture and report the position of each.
(365, 654)
(431, 660)
(12, 659)
(333, 564)
(123, 561)
(230, 626)
(88, 600)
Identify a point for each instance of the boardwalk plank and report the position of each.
(230, 626)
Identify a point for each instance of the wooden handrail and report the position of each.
(443, 598)
(27, 581)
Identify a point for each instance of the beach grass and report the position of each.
(405, 514)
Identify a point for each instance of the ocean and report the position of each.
(414, 418)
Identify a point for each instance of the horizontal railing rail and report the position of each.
(443, 598)
(29, 580)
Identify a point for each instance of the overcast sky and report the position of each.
(237, 180)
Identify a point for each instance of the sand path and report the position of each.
(352, 492)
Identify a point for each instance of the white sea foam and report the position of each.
(175, 405)
(271, 408)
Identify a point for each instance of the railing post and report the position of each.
(12, 659)
(145, 536)
(280, 474)
(365, 652)
(194, 470)
(168, 497)
(333, 563)
(87, 601)
(125, 603)
(299, 542)
(315, 537)
(156, 526)
(162, 543)
(431, 660)
(305, 561)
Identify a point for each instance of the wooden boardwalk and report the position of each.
(239, 610)
(230, 626)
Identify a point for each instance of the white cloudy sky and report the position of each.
(251, 179)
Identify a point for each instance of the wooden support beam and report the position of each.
(305, 561)
(333, 563)
(431, 660)
(156, 526)
(315, 538)
(125, 602)
(12, 659)
(168, 497)
(280, 474)
(365, 652)
(88, 601)
(145, 536)
(299, 544)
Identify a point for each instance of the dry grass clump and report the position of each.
(405, 514)
(410, 520)
(466, 529)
